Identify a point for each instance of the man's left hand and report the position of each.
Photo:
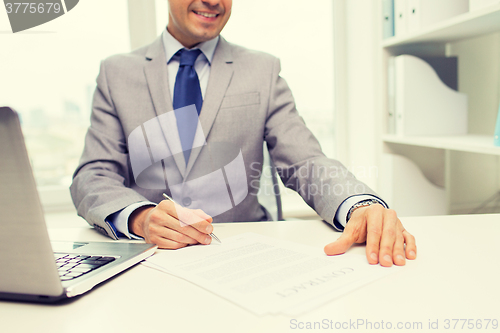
(386, 240)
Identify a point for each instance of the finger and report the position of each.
(374, 223)
(203, 215)
(411, 246)
(398, 253)
(164, 219)
(154, 236)
(173, 235)
(388, 239)
(341, 245)
(168, 244)
(189, 231)
(186, 217)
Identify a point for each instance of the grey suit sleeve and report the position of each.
(322, 182)
(100, 183)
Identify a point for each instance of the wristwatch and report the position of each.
(364, 203)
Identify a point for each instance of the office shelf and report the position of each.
(445, 161)
(482, 144)
(467, 25)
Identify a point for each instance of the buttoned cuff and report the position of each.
(119, 220)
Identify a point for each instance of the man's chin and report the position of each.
(203, 36)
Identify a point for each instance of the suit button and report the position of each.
(186, 201)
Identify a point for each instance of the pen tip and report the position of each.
(216, 238)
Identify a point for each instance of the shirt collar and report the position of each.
(172, 45)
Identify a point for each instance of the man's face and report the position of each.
(195, 21)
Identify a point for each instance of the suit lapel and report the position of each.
(221, 72)
(157, 79)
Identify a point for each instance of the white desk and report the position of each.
(455, 276)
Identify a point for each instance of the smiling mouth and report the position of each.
(208, 15)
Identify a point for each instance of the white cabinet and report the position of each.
(466, 167)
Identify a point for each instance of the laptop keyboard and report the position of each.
(71, 266)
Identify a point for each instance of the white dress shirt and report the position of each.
(202, 65)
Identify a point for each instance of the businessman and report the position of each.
(179, 98)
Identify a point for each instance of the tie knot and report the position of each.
(188, 57)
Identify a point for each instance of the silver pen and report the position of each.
(211, 234)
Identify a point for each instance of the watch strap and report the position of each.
(364, 203)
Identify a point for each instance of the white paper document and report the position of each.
(266, 275)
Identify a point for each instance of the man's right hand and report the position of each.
(171, 226)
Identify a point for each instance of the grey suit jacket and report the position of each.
(246, 104)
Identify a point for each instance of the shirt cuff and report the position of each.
(340, 219)
(119, 219)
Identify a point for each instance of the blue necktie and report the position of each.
(187, 92)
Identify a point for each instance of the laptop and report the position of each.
(31, 267)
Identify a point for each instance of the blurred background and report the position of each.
(336, 57)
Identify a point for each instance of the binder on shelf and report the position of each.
(424, 105)
(423, 13)
(496, 140)
(388, 18)
(400, 21)
(445, 67)
(391, 90)
(414, 12)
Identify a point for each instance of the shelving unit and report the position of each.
(468, 166)
(481, 144)
(467, 25)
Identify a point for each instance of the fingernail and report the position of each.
(413, 254)
(208, 240)
(400, 258)
(374, 256)
(209, 228)
(387, 258)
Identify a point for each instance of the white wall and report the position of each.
(362, 39)
(476, 177)
(48, 75)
